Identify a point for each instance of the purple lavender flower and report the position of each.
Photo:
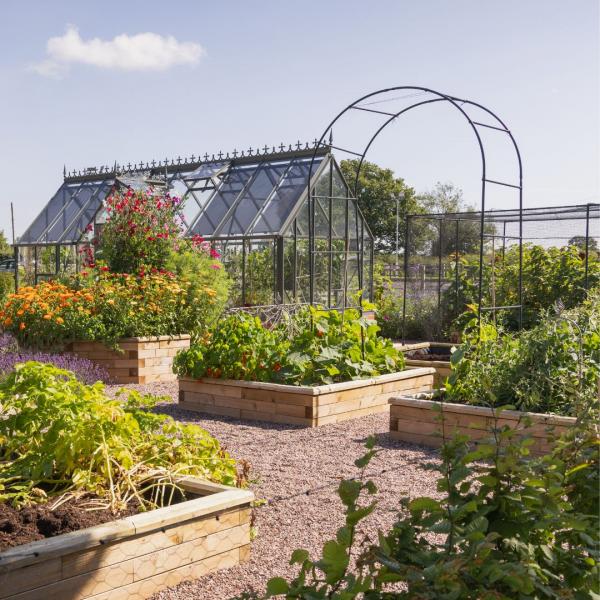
(85, 370)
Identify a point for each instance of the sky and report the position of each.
(89, 83)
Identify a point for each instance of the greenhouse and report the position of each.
(253, 208)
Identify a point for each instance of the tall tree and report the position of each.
(447, 198)
(379, 191)
(5, 248)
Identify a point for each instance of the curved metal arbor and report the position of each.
(462, 106)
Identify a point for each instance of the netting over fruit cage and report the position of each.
(439, 277)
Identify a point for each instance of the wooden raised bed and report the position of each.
(442, 367)
(135, 557)
(142, 360)
(300, 405)
(416, 421)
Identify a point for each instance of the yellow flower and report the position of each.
(60, 320)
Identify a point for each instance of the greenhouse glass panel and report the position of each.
(264, 180)
(222, 200)
(285, 196)
(86, 214)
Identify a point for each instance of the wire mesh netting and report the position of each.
(439, 275)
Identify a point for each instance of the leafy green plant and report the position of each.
(549, 275)
(60, 436)
(7, 285)
(542, 370)
(328, 346)
(237, 347)
(505, 526)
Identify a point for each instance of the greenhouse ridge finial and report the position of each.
(185, 163)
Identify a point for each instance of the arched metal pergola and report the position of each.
(465, 108)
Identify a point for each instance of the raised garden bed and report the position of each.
(300, 405)
(142, 360)
(134, 557)
(415, 420)
(429, 354)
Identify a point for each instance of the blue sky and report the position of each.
(269, 72)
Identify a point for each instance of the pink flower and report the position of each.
(215, 266)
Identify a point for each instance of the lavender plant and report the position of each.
(85, 370)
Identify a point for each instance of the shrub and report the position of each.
(141, 230)
(104, 306)
(328, 347)
(7, 285)
(58, 436)
(503, 527)
(540, 370)
(549, 275)
(199, 265)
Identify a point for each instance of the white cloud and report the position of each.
(140, 52)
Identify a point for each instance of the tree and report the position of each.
(5, 249)
(377, 192)
(447, 198)
(579, 241)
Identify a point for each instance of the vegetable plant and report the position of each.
(543, 369)
(327, 347)
(59, 436)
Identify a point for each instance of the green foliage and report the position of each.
(541, 370)
(504, 526)
(5, 248)
(237, 347)
(58, 435)
(328, 347)
(549, 275)
(200, 271)
(377, 192)
(141, 230)
(422, 313)
(7, 285)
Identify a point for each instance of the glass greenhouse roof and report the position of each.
(246, 196)
(68, 213)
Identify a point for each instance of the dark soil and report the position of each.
(21, 526)
(421, 355)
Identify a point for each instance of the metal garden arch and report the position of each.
(463, 106)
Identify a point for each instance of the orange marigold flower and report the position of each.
(47, 316)
(20, 312)
(7, 321)
(22, 325)
(60, 320)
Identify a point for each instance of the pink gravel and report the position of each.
(297, 471)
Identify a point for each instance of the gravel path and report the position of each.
(287, 462)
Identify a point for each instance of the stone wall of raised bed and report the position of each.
(133, 558)
(141, 360)
(300, 405)
(416, 421)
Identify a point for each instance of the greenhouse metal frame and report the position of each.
(251, 206)
(449, 236)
